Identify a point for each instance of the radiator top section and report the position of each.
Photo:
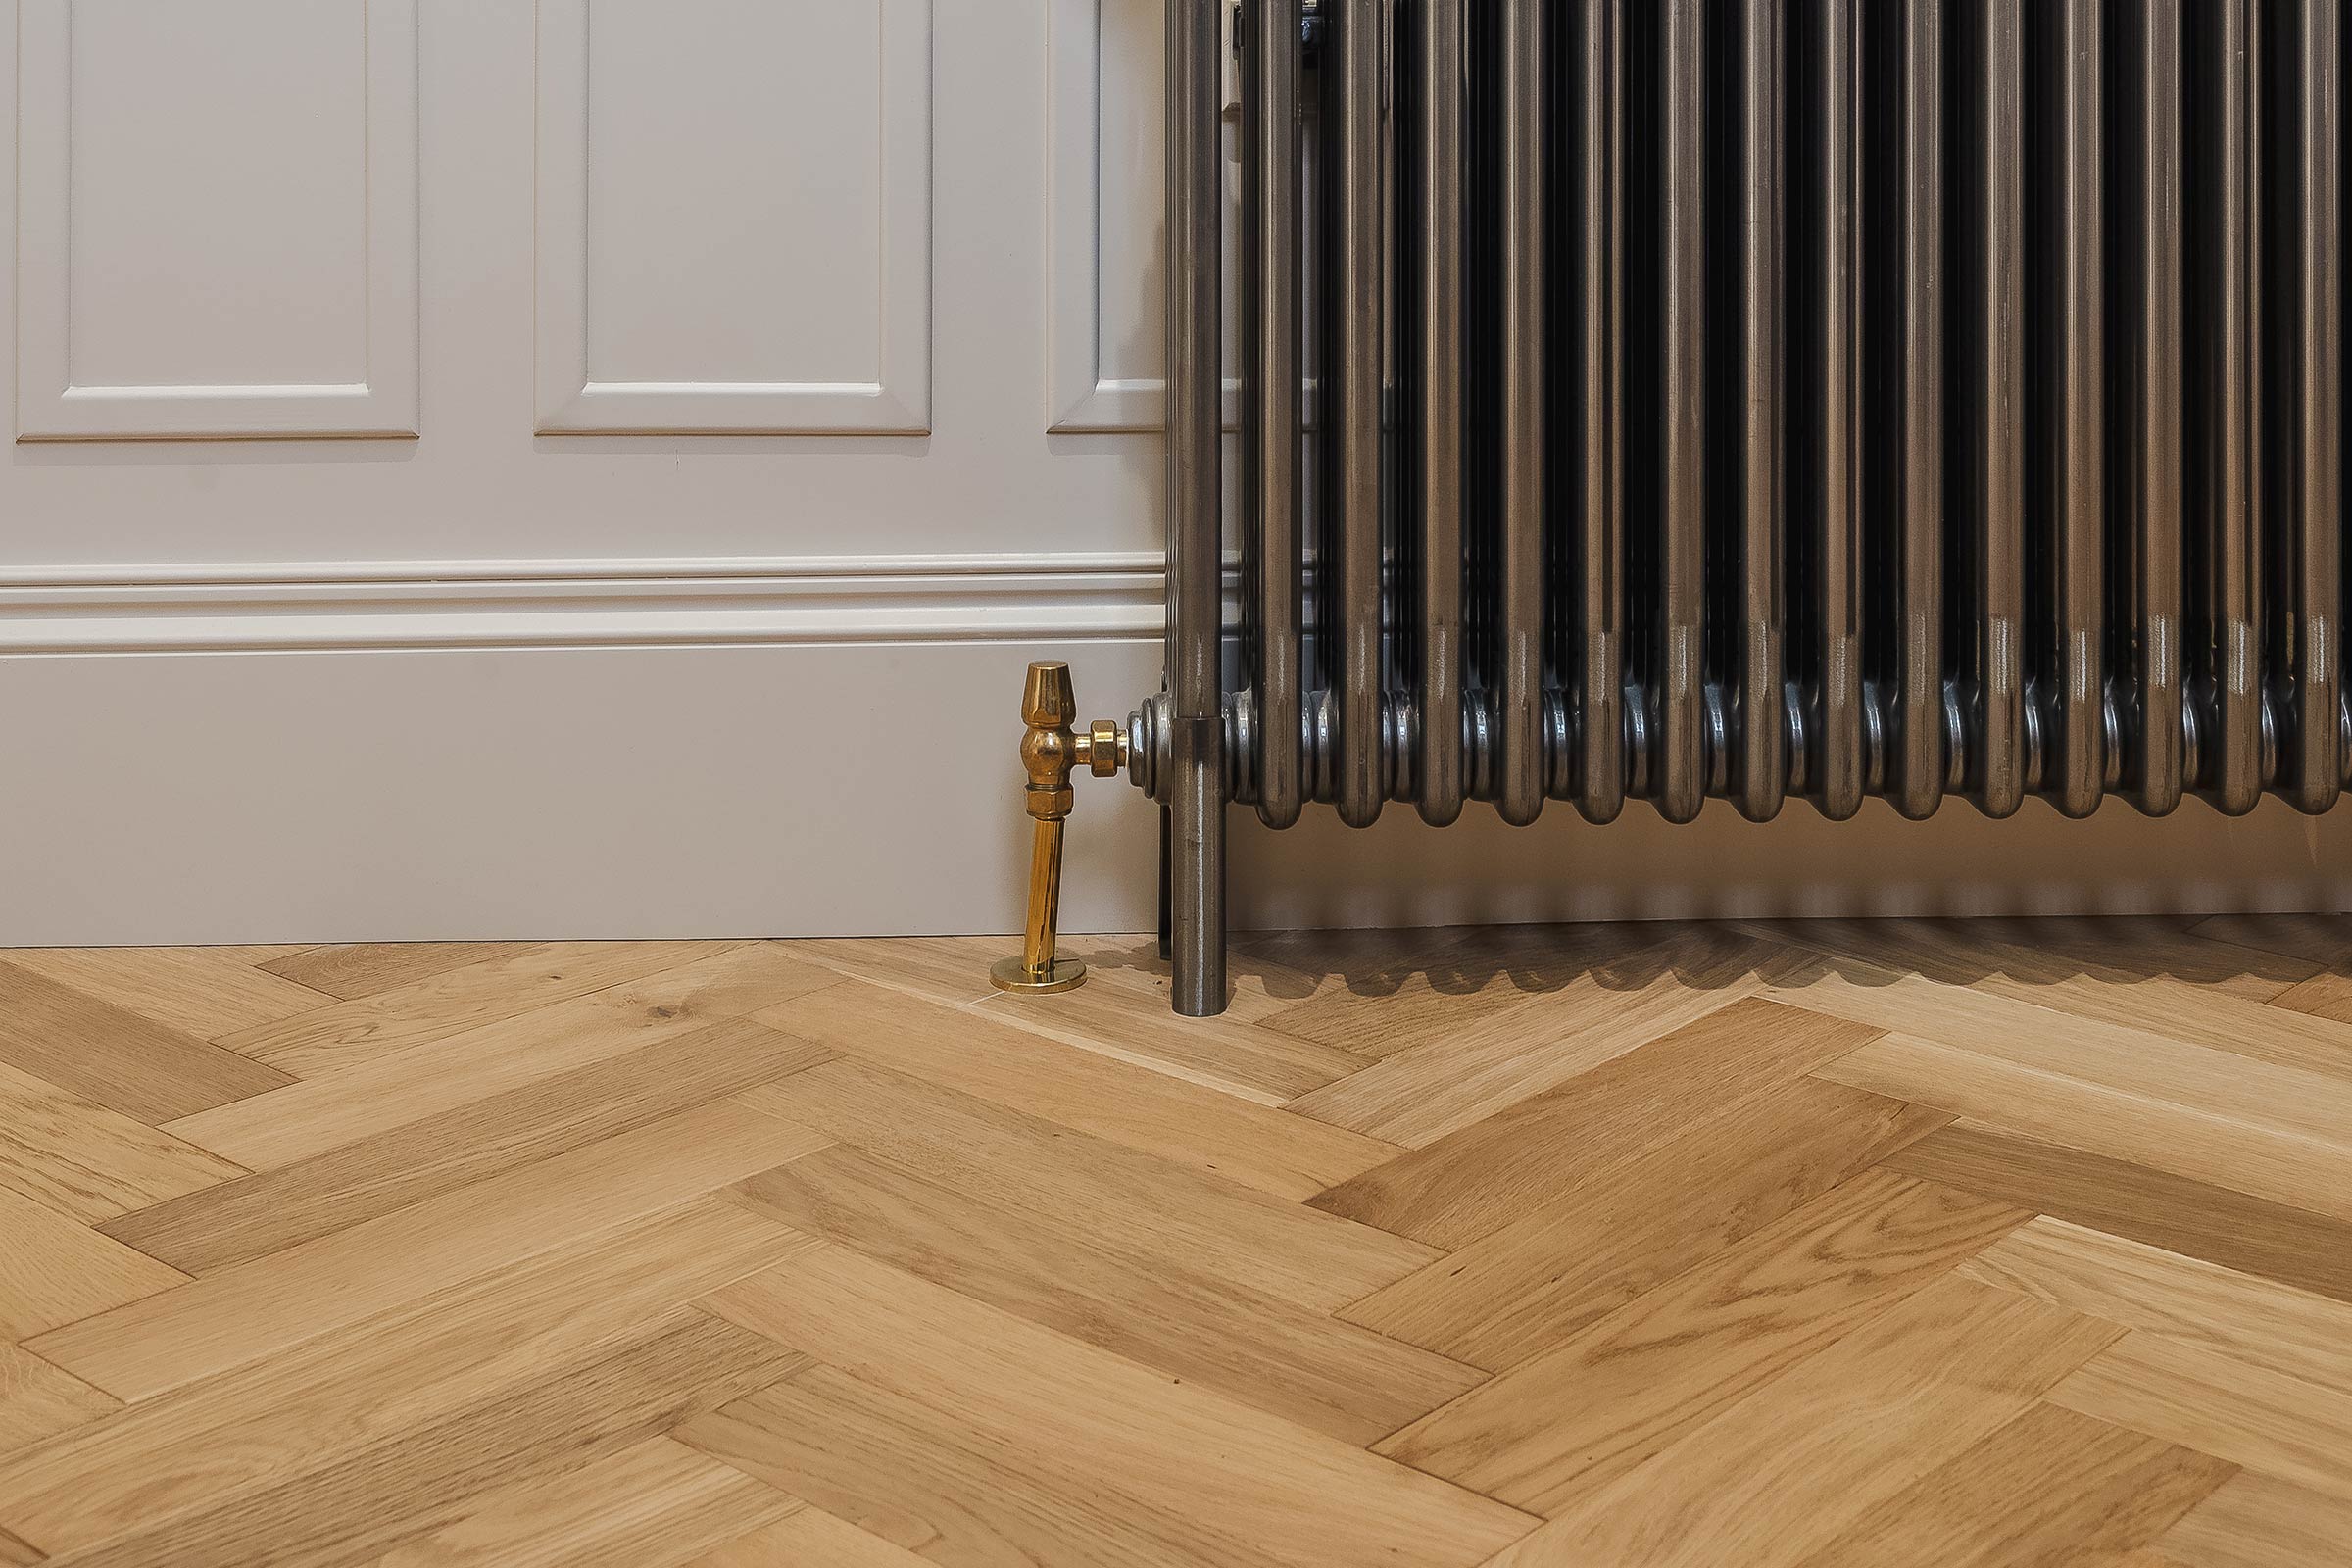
(1771, 400)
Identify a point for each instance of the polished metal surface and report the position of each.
(1272, 497)
(1049, 751)
(1438, 167)
(1356, 279)
(1759, 767)
(1518, 677)
(1676, 673)
(1196, 796)
(1598, 644)
(1909, 403)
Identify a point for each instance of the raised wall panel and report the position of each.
(734, 216)
(217, 215)
(1109, 278)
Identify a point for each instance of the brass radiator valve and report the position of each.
(1049, 751)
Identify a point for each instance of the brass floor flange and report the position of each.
(1049, 751)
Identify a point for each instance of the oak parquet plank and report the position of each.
(414, 1483)
(356, 1100)
(1783, 1472)
(656, 1505)
(2142, 1287)
(445, 1003)
(811, 1537)
(38, 1400)
(348, 971)
(2314, 941)
(1254, 1144)
(1419, 1095)
(1103, 1421)
(1264, 1351)
(1481, 1177)
(1558, 1428)
(58, 1271)
(270, 1304)
(2176, 1213)
(2154, 944)
(280, 1418)
(1258, 985)
(90, 1163)
(2050, 1489)
(1194, 1220)
(2291, 1428)
(2258, 1522)
(209, 1229)
(198, 991)
(115, 1057)
(1619, 1229)
(2327, 997)
(2120, 1123)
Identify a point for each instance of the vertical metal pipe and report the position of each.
(1678, 695)
(1519, 677)
(1840, 775)
(1760, 763)
(1995, 346)
(2150, 357)
(1597, 231)
(1438, 149)
(1196, 676)
(2229, 686)
(2310, 508)
(1916, 756)
(2075, 771)
(1270, 394)
(1355, 280)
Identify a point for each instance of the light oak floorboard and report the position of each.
(1321, 1373)
(90, 1163)
(2258, 1522)
(199, 991)
(38, 1400)
(280, 1417)
(1193, 1220)
(1474, 1181)
(230, 1223)
(809, 1538)
(443, 1004)
(351, 970)
(355, 1099)
(1258, 1145)
(1299, 1497)
(115, 1057)
(55, 1271)
(1557, 1429)
(271, 1303)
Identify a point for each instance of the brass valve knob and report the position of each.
(1049, 751)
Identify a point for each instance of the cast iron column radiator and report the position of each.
(1758, 400)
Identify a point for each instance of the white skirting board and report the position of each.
(346, 793)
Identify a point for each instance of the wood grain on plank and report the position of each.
(1558, 1428)
(811, 1537)
(358, 1098)
(2179, 1214)
(230, 1223)
(2309, 942)
(413, 1482)
(38, 1400)
(2294, 1428)
(255, 1308)
(1254, 1144)
(115, 1057)
(656, 1505)
(1141, 1203)
(2258, 1522)
(2050, 1489)
(54, 1270)
(443, 1004)
(1780, 1475)
(283, 1416)
(90, 1163)
(1473, 1180)
(199, 991)
(1227, 1054)
(1619, 1229)
(1419, 1095)
(993, 1377)
(348, 971)
(1330, 1376)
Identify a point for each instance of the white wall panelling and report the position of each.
(1109, 275)
(217, 219)
(734, 215)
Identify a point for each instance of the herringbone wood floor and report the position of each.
(1885, 1245)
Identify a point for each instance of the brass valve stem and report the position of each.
(1050, 749)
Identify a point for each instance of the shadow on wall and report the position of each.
(2257, 955)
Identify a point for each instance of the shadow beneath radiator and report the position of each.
(2256, 958)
